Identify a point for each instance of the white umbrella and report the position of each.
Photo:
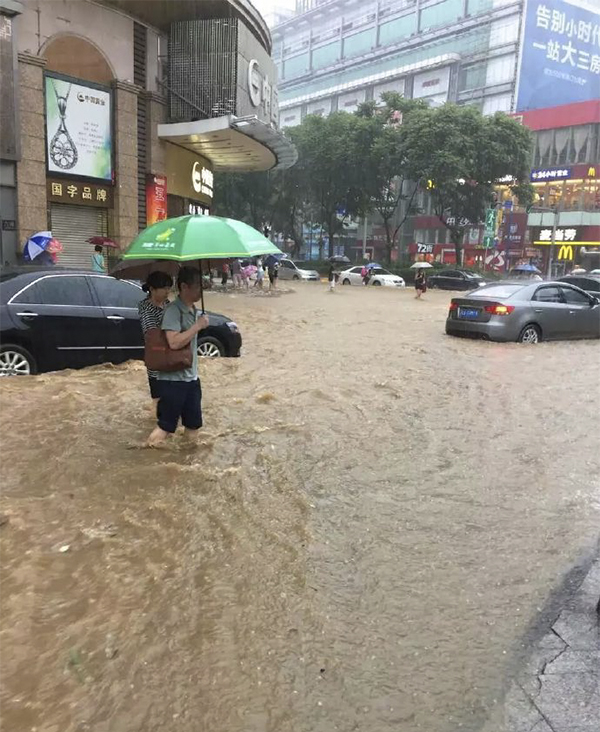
(422, 265)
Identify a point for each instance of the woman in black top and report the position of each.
(420, 284)
(158, 285)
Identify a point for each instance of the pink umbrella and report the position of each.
(103, 241)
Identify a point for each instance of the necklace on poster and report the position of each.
(63, 151)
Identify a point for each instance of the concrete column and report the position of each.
(125, 212)
(156, 114)
(31, 169)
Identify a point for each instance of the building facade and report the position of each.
(123, 110)
(536, 59)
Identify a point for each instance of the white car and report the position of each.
(289, 270)
(379, 277)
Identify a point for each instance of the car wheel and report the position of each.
(209, 347)
(376, 284)
(295, 277)
(346, 282)
(16, 361)
(530, 334)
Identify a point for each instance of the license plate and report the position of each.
(468, 313)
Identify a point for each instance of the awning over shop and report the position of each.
(233, 144)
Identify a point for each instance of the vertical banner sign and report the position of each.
(78, 128)
(156, 198)
(490, 228)
(513, 231)
(560, 56)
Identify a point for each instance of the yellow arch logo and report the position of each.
(566, 252)
(591, 172)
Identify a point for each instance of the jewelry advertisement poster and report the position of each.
(78, 129)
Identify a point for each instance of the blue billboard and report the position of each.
(560, 58)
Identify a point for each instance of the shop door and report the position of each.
(72, 225)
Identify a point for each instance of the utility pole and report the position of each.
(552, 243)
(364, 251)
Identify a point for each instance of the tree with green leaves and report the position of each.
(387, 185)
(327, 147)
(244, 196)
(458, 155)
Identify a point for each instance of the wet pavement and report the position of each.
(369, 522)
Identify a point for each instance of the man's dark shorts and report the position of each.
(179, 400)
(154, 384)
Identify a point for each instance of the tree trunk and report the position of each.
(389, 242)
(456, 237)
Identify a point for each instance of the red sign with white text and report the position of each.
(156, 198)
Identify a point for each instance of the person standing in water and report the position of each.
(260, 274)
(158, 285)
(98, 260)
(331, 278)
(180, 393)
(420, 283)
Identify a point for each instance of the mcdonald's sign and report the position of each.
(566, 252)
(591, 172)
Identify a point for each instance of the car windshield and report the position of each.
(500, 292)
(380, 271)
(472, 276)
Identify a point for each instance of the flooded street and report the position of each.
(367, 526)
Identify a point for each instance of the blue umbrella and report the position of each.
(526, 268)
(36, 244)
(372, 265)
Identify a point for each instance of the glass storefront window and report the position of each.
(571, 199)
(591, 196)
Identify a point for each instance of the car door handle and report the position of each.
(538, 310)
(28, 315)
(115, 317)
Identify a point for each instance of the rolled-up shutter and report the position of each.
(72, 225)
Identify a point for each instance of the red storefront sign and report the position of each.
(156, 198)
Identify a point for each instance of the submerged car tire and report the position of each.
(295, 277)
(530, 334)
(346, 282)
(209, 347)
(376, 284)
(16, 361)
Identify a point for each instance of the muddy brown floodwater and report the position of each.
(369, 522)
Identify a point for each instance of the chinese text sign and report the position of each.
(560, 61)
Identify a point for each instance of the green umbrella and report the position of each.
(190, 238)
(199, 237)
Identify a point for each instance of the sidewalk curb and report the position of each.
(555, 688)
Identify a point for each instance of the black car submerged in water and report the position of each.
(53, 319)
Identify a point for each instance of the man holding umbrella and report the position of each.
(180, 392)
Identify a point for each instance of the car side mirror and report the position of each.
(595, 302)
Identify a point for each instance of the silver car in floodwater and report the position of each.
(525, 312)
(289, 270)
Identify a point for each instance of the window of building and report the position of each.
(500, 70)
(472, 77)
(360, 43)
(497, 103)
(326, 30)
(565, 146)
(475, 7)
(295, 66)
(326, 55)
(444, 13)
(504, 31)
(394, 30)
